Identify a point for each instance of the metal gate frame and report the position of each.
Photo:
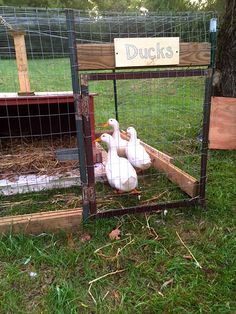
(80, 91)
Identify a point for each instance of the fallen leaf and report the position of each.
(115, 234)
(166, 283)
(187, 257)
(85, 237)
(115, 295)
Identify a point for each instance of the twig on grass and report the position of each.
(91, 295)
(154, 198)
(165, 284)
(108, 274)
(106, 294)
(151, 229)
(109, 244)
(116, 256)
(197, 263)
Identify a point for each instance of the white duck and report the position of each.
(119, 142)
(120, 173)
(135, 152)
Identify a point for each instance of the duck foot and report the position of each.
(139, 171)
(119, 192)
(135, 192)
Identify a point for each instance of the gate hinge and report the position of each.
(88, 194)
(83, 107)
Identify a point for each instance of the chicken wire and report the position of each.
(167, 113)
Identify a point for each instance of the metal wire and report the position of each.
(166, 112)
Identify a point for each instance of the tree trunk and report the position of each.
(225, 76)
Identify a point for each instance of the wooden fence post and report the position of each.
(21, 61)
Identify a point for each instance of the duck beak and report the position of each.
(104, 125)
(98, 139)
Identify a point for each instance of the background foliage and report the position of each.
(123, 5)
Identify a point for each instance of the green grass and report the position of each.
(42, 74)
(64, 268)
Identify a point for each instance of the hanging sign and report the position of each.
(139, 52)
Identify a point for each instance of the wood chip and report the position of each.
(187, 257)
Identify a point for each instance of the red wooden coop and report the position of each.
(37, 114)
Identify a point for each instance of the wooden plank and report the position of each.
(96, 56)
(195, 54)
(163, 162)
(187, 183)
(102, 56)
(222, 133)
(156, 152)
(21, 61)
(42, 222)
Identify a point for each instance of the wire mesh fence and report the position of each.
(167, 115)
(38, 145)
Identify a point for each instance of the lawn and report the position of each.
(149, 269)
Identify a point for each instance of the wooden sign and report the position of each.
(102, 56)
(139, 52)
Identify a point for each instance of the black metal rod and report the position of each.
(88, 146)
(147, 208)
(147, 74)
(206, 118)
(76, 94)
(115, 97)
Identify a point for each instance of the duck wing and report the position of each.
(137, 155)
(121, 175)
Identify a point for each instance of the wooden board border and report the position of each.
(102, 56)
(37, 223)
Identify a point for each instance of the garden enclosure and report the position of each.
(45, 131)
